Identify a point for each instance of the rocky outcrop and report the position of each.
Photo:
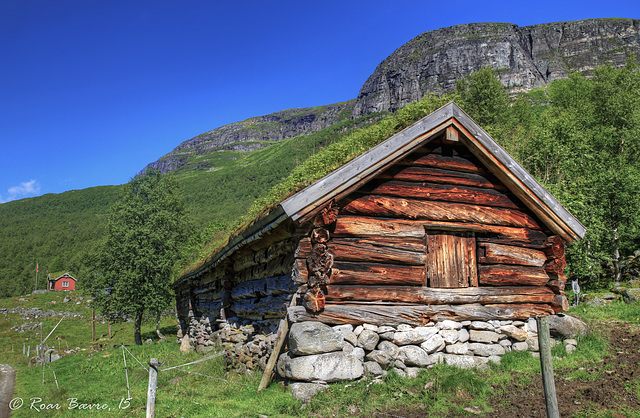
(525, 57)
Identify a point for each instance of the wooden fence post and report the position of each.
(544, 343)
(151, 391)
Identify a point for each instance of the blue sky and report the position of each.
(91, 91)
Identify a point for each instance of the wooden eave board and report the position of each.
(499, 162)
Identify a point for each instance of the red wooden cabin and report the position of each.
(63, 282)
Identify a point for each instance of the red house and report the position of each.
(63, 282)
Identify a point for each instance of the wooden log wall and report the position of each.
(378, 244)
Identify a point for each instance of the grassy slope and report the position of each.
(98, 376)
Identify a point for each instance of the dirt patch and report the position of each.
(608, 391)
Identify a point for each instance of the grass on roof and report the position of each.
(317, 166)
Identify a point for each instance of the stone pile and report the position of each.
(321, 353)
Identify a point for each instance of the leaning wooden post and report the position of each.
(151, 391)
(544, 343)
(283, 330)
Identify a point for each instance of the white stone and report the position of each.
(328, 367)
(310, 337)
(457, 348)
(481, 326)
(379, 357)
(486, 350)
(371, 367)
(358, 330)
(463, 335)
(412, 355)
(520, 346)
(433, 344)
(370, 327)
(505, 343)
(437, 358)
(368, 339)
(415, 336)
(571, 341)
(343, 329)
(412, 372)
(532, 325)
(404, 327)
(569, 348)
(305, 391)
(464, 362)
(388, 347)
(495, 359)
(532, 343)
(514, 332)
(483, 336)
(450, 336)
(449, 324)
(385, 328)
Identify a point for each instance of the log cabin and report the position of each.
(436, 222)
(61, 282)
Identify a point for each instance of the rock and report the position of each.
(464, 362)
(149, 341)
(481, 326)
(356, 352)
(567, 326)
(571, 341)
(308, 338)
(514, 332)
(372, 367)
(569, 348)
(486, 350)
(404, 327)
(532, 325)
(450, 336)
(415, 336)
(370, 327)
(449, 324)
(483, 336)
(412, 372)
(412, 355)
(368, 339)
(388, 347)
(343, 329)
(328, 367)
(399, 372)
(458, 348)
(384, 329)
(306, 391)
(358, 330)
(379, 357)
(389, 335)
(463, 335)
(523, 346)
(433, 344)
(532, 344)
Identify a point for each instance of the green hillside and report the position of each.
(60, 231)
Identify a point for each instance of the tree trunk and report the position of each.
(137, 326)
(615, 256)
(160, 335)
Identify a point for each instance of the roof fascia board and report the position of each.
(365, 164)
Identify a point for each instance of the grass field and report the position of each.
(95, 376)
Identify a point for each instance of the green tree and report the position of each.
(586, 150)
(483, 96)
(145, 232)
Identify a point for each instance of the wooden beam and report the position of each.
(373, 205)
(362, 226)
(508, 254)
(346, 272)
(392, 250)
(436, 175)
(504, 275)
(444, 162)
(416, 315)
(445, 192)
(433, 296)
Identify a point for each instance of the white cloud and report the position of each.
(25, 189)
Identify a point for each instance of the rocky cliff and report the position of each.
(525, 58)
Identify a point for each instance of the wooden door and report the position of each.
(451, 259)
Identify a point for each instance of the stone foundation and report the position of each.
(320, 353)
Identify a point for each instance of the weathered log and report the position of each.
(319, 264)
(508, 254)
(264, 287)
(320, 235)
(314, 300)
(556, 285)
(445, 192)
(503, 275)
(279, 266)
(267, 307)
(451, 259)
(554, 247)
(556, 265)
(438, 211)
(300, 273)
(536, 244)
(560, 303)
(434, 175)
(433, 296)
(326, 216)
(252, 258)
(394, 251)
(416, 315)
(346, 272)
(362, 226)
(455, 163)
